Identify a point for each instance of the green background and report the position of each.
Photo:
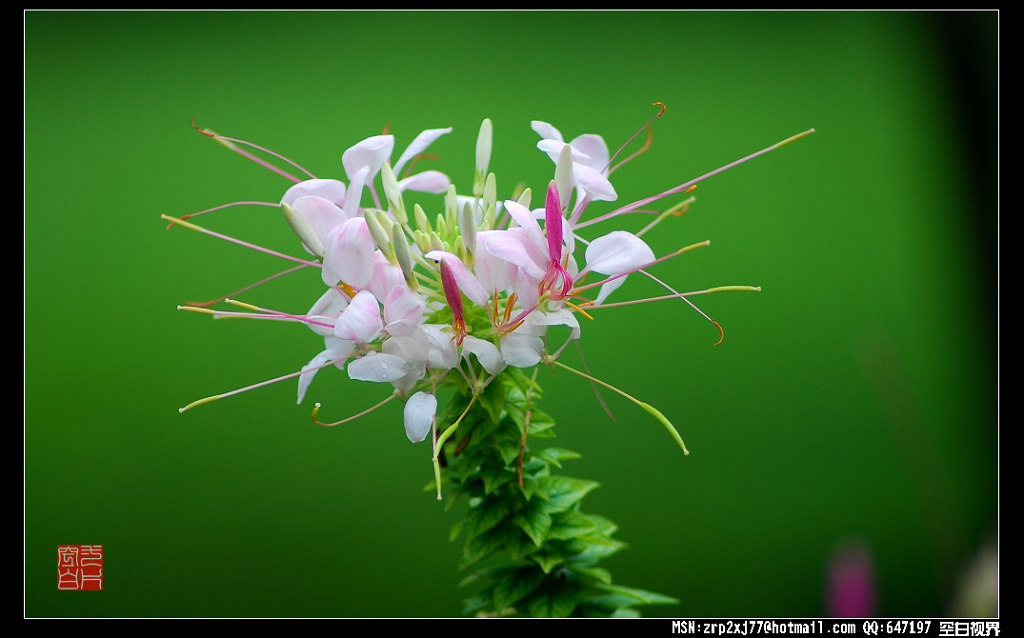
(854, 400)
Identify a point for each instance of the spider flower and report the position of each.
(452, 297)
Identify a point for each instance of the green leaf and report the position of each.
(535, 521)
(555, 456)
(494, 476)
(547, 560)
(557, 603)
(641, 596)
(456, 530)
(493, 401)
(483, 545)
(571, 524)
(599, 574)
(486, 515)
(514, 584)
(564, 491)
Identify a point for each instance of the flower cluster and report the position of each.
(419, 299)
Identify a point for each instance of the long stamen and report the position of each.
(706, 291)
(640, 268)
(215, 397)
(316, 411)
(204, 304)
(646, 406)
(643, 149)
(277, 313)
(223, 206)
(274, 253)
(675, 211)
(227, 141)
(686, 186)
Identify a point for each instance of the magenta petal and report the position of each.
(553, 223)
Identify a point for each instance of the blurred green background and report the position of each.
(854, 400)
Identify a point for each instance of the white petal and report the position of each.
(493, 272)
(527, 220)
(321, 216)
(355, 191)
(442, 353)
(425, 182)
(594, 183)
(486, 353)
(593, 147)
(326, 311)
(377, 367)
(560, 317)
(371, 152)
(330, 189)
(607, 289)
(418, 145)
(348, 254)
(419, 415)
(386, 277)
(403, 311)
(521, 350)
(361, 320)
(545, 130)
(309, 371)
(513, 247)
(617, 252)
(336, 349)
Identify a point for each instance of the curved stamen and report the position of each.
(227, 141)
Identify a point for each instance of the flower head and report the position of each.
(423, 300)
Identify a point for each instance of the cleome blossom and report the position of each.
(415, 297)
